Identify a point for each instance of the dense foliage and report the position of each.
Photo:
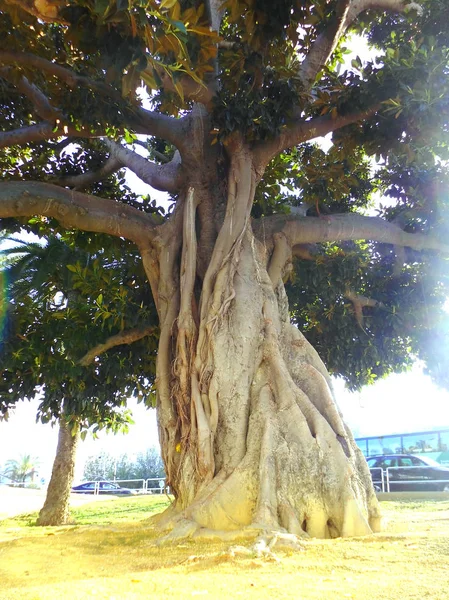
(393, 164)
(67, 293)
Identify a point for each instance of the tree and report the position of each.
(148, 465)
(106, 466)
(43, 278)
(145, 465)
(238, 92)
(22, 469)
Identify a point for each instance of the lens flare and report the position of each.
(3, 305)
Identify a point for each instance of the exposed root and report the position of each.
(262, 546)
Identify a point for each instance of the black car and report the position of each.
(407, 473)
(102, 487)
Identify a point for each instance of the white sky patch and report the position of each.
(22, 435)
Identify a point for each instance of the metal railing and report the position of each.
(154, 485)
(382, 476)
(386, 480)
(161, 486)
(132, 482)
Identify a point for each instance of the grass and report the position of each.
(120, 510)
(111, 553)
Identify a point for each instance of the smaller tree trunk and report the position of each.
(56, 507)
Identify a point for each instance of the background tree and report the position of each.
(22, 469)
(145, 465)
(249, 430)
(42, 353)
(148, 465)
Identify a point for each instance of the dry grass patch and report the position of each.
(410, 560)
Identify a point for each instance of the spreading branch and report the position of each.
(302, 131)
(80, 182)
(215, 10)
(346, 12)
(141, 120)
(359, 302)
(165, 178)
(343, 227)
(77, 210)
(44, 131)
(124, 337)
(39, 100)
(324, 45)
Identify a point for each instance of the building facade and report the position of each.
(434, 444)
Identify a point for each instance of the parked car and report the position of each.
(104, 487)
(408, 473)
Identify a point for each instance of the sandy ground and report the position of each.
(17, 501)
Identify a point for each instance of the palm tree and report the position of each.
(37, 269)
(22, 469)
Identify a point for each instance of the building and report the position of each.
(434, 444)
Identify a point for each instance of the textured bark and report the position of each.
(250, 433)
(56, 507)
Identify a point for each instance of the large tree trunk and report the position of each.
(249, 430)
(56, 507)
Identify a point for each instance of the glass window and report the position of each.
(444, 441)
(420, 443)
(374, 447)
(89, 486)
(388, 462)
(388, 444)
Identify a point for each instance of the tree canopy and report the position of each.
(75, 74)
(56, 328)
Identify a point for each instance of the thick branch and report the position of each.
(166, 178)
(302, 131)
(334, 228)
(40, 101)
(73, 209)
(215, 10)
(359, 302)
(143, 121)
(305, 252)
(44, 131)
(124, 337)
(324, 45)
(83, 180)
(346, 13)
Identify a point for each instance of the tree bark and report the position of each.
(251, 436)
(56, 507)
